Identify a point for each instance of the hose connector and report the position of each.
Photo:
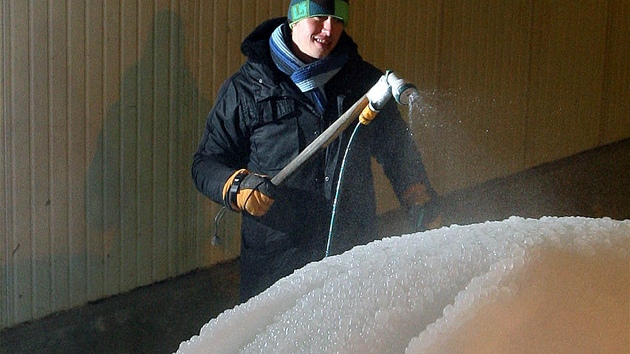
(367, 115)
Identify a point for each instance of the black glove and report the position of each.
(249, 192)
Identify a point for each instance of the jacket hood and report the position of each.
(256, 44)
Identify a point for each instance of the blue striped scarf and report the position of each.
(309, 78)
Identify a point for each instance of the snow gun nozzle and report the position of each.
(401, 89)
(387, 86)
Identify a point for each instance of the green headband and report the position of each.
(301, 9)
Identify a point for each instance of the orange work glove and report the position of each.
(423, 207)
(249, 192)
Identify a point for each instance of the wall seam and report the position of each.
(603, 123)
(31, 134)
(49, 210)
(528, 80)
(6, 109)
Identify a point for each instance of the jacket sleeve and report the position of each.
(394, 148)
(224, 145)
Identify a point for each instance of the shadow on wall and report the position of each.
(139, 194)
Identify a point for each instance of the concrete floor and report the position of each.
(155, 319)
(152, 319)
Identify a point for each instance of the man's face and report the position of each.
(315, 37)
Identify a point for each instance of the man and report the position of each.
(303, 72)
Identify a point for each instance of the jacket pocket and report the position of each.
(275, 136)
(260, 238)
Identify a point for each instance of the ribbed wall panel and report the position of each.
(567, 77)
(59, 156)
(104, 102)
(5, 226)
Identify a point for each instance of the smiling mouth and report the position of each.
(322, 40)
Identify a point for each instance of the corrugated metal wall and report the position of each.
(103, 105)
(506, 85)
(103, 102)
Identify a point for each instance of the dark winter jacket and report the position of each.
(261, 121)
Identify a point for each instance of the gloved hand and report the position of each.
(425, 217)
(423, 207)
(249, 192)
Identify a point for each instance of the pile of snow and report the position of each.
(552, 284)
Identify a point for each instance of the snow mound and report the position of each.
(547, 285)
